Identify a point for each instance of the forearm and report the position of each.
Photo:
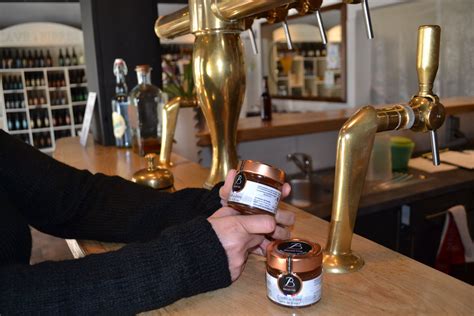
(186, 260)
(71, 203)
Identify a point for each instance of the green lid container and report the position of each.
(402, 149)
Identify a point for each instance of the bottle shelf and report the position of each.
(58, 85)
(60, 107)
(36, 88)
(75, 103)
(15, 110)
(62, 127)
(76, 85)
(18, 131)
(59, 88)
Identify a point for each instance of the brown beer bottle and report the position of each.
(266, 111)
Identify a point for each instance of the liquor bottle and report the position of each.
(266, 110)
(10, 124)
(9, 59)
(39, 124)
(24, 123)
(74, 60)
(18, 63)
(49, 60)
(36, 60)
(60, 58)
(24, 59)
(120, 104)
(67, 58)
(144, 117)
(46, 120)
(31, 62)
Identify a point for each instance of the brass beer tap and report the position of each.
(218, 67)
(423, 113)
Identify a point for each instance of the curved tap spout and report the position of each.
(170, 117)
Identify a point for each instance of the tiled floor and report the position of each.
(46, 247)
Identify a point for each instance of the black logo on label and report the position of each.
(295, 247)
(239, 182)
(289, 284)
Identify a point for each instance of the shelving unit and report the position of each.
(40, 114)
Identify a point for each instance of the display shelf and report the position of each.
(15, 110)
(36, 88)
(42, 138)
(62, 128)
(75, 103)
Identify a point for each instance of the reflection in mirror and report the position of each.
(312, 70)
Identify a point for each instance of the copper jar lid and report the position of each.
(305, 255)
(154, 176)
(262, 169)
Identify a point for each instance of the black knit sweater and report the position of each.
(173, 251)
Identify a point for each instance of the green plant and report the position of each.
(177, 87)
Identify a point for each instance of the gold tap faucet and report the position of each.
(218, 65)
(423, 113)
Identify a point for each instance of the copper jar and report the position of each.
(294, 272)
(256, 188)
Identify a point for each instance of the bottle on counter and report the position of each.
(266, 110)
(120, 104)
(144, 115)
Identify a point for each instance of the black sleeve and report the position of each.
(185, 260)
(70, 203)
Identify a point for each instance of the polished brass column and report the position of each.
(423, 113)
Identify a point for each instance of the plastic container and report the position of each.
(402, 149)
(380, 164)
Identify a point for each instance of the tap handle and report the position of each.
(252, 41)
(287, 34)
(434, 147)
(368, 20)
(427, 58)
(322, 31)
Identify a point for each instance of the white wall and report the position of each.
(68, 13)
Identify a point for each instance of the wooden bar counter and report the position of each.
(292, 124)
(389, 283)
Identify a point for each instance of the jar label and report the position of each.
(294, 247)
(119, 125)
(254, 194)
(290, 290)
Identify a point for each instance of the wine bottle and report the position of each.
(31, 62)
(266, 110)
(61, 58)
(42, 61)
(49, 60)
(67, 59)
(24, 59)
(74, 60)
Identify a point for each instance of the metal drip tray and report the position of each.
(318, 190)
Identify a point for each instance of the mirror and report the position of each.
(312, 70)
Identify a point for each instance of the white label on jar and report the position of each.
(255, 194)
(307, 293)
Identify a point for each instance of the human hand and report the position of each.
(239, 234)
(283, 218)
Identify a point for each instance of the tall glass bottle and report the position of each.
(120, 121)
(266, 111)
(145, 100)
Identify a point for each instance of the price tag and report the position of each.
(86, 124)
